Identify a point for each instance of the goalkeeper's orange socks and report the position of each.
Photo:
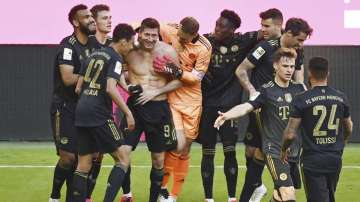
(169, 165)
(181, 170)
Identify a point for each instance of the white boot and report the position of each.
(258, 194)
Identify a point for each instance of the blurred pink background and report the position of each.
(45, 21)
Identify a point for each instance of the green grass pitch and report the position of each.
(33, 183)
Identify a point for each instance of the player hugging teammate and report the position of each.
(185, 87)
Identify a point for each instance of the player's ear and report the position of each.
(75, 23)
(275, 65)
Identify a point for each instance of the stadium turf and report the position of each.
(26, 171)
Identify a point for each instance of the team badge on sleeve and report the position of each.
(118, 67)
(67, 55)
(258, 52)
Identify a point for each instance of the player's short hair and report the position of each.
(272, 13)
(318, 66)
(74, 10)
(232, 17)
(151, 23)
(297, 25)
(97, 8)
(123, 31)
(189, 25)
(284, 52)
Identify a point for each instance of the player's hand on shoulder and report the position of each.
(220, 120)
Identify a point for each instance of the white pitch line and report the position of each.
(137, 166)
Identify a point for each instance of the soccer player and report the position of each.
(324, 114)
(71, 53)
(221, 92)
(194, 53)
(253, 189)
(260, 61)
(148, 100)
(96, 129)
(102, 17)
(274, 99)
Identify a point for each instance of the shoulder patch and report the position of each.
(118, 67)
(258, 53)
(67, 54)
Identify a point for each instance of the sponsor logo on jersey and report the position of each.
(288, 97)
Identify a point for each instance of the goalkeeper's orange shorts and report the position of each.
(187, 118)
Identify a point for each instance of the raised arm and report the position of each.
(235, 112)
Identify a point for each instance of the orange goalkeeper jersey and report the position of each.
(194, 60)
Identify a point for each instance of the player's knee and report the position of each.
(67, 160)
(84, 163)
(184, 156)
(249, 151)
(122, 155)
(287, 193)
(157, 160)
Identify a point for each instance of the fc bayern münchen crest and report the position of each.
(223, 50)
(234, 48)
(288, 97)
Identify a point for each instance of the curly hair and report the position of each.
(232, 17)
(74, 10)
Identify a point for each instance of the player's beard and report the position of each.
(85, 29)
